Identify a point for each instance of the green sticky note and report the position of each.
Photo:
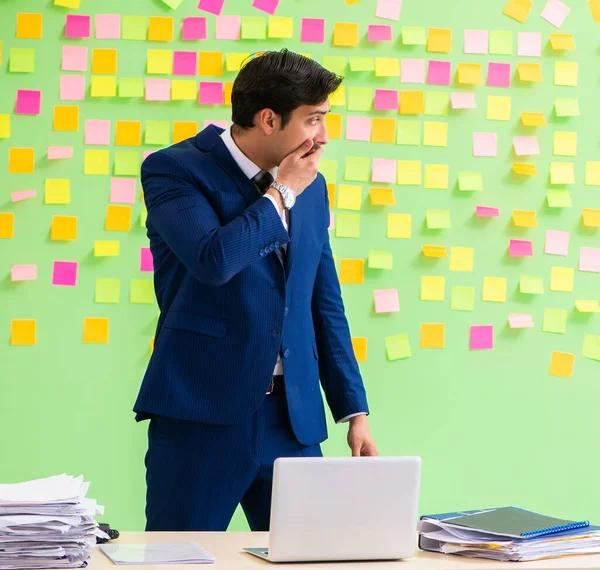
(127, 163)
(397, 347)
(131, 87)
(463, 298)
(591, 346)
(555, 321)
(414, 36)
(328, 168)
(357, 168)
(470, 181)
(347, 225)
(531, 285)
(134, 28)
(173, 4)
(361, 63)
(141, 291)
(254, 28)
(360, 99)
(96, 162)
(157, 132)
(107, 290)
(566, 107)
(22, 60)
(336, 64)
(409, 133)
(143, 216)
(379, 259)
(559, 198)
(437, 103)
(438, 219)
(501, 42)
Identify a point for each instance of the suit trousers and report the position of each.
(197, 474)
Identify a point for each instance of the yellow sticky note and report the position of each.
(160, 29)
(524, 219)
(397, 347)
(592, 173)
(561, 364)
(7, 225)
(159, 61)
(63, 228)
(382, 197)
(595, 10)
(531, 72)
(96, 162)
(352, 271)
(359, 345)
(349, 197)
(103, 86)
(562, 173)
(95, 330)
(57, 191)
(128, 133)
(280, 27)
(66, 118)
(518, 9)
(20, 160)
(210, 63)
(4, 124)
(435, 133)
(438, 219)
(333, 123)
(409, 173)
(498, 108)
(565, 143)
(533, 119)
(469, 74)
(461, 258)
(439, 40)
(591, 218)
(562, 42)
(432, 335)
(432, 288)
(29, 26)
(22, 332)
(338, 97)
(234, 61)
(436, 176)
(68, 3)
(587, 306)
(104, 61)
(561, 279)
(184, 90)
(383, 130)
(565, 73)
(494, 289)
(118, 218)
(106, 248)
(434, 251)
(387, 67)
(345, 34)
(399, 226)
(412, 102)
(524, 169)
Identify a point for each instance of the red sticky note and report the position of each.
(72, 88)
(122, 190)
(498, 75)
(29, 102)
(193, 29)
(386, 100)
(482, 337)
(379, 33)
(64, 273)
(268, 6)
(313, 30)
(74, 58)
(211, 6)
(486, 212)
(520, 248)
(211, 93)
(77, 26)
(185, 62)
(146, 260)
(108, 26)
(438, 72)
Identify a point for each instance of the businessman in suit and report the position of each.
(252, 322)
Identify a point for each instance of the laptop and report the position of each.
(343, 509)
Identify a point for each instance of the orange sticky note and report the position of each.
(160, 29)
(412, 102)
(352, 271)
(525, 169)
(66, 118)
(439, 40)
(29, 26)
(210, 63)
(331, 194)
(561, 364)
(22, 332)
(434, 251)
(383, 130)
(63, 228)
(128, 133)
(118, 218)
(184, 130)
(518, 9)
(20, 160)
(104, 61)
(359, 344)
(333, 123)
(382, 196)
(7, 225)
(595, 10)
(95, 330)
(345, 34)
(432, 335)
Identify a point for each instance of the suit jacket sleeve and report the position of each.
(186, 221)
(338, 368)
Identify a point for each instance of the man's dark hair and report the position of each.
(281, 81)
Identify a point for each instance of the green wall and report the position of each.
(492, 426)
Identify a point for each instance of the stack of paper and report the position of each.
(47, 523)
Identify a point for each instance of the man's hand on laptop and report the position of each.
(360, 440)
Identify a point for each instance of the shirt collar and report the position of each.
(246, 165)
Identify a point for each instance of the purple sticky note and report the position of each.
(526, 146)
(520, 248)
(388, 9)
(589, 259)
(485, 144)
(228, 27)
(520, 321)
(268, 6)
(386, 300)
(21, 195)
(384, 170)
(529, 44)
(74, 58)
(77, 26)
(158, 90)
(476, 41)
(23, 272)
(481, 337)
(557, 242)
(29, 102)
(58, 152)
(386, 100)
(313, 30)
(358, 128)
(498, 75)
(379, 33)
(64, 273)
(412, 70)
(146, 260)
(185, 62)
(211, 93)
(72, 88)
(211, 6)
(555, 12)
(193, 28)
(122, 190)
(438, 72)
(97, 131)
(108, 26)
(460, 100)
(486, 212)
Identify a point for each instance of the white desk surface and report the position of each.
(227, 549)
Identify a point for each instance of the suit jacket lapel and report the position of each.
(296, 215)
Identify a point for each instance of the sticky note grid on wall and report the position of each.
(463, 166)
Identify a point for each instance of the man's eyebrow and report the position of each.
(318, 113)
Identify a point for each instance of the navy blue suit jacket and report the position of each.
(227, 304)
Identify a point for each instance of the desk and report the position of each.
(227, 548)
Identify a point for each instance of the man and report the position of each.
(251, 314)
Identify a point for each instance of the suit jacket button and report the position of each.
(286, 353)
(262, 252)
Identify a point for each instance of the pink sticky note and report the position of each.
(147, 153)
(228, 27)
(520, 248)
(476, 41)
(185, 63)
(485, 144)
(388, 9)
(108, 26)
(97, 131)
(57, 152)
(146, 259)
(218, 123)
(22, 195)
(313, 30)
(193, 28)
(529, 44)
(74, 58)
(77, 26)
(486, 212)
(23, 272)
(520, 321)
(386, 300)
(386, 100)
(358, 128)
(268, 6)
(412, 70)
(557, 242)
(498, 75)
(29, 102)
(211, 6)
(122, 190)
(482, 337)
(64, 273)
(589, 259)
(526, 146)
(331, 221)
(379, 33)
(438, 72)
(72, 88)
(460, 100)
(211, 93)
(384, 170)
(158, 90)
(555, 12)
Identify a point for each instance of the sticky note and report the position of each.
(432, 288)
(22, 195)
(526, 146)
(29, 102)
(97, 132)
(20, 160)
(594, 6)
(414, 35)
(360, 99)
(184, 130)
(29, 26)
(103, 86)
(134, 28)
(127, 163)
(59, 152)
(211, 6)
(233, 62)
(157, 133)
(357, 168)
(7, 225)
(72, 87)
(432, 335)
(281, 27)
(360, 63)
(481, 337)
(397, 347)
(470, 181)
(566, 107)
(328, 169)
(399, 226)
(21, 60)
(524, 219)
(379, 259)
(347, 225)
(555, 321)
(412, 102)
(520, 321)
(531, 285)
(591, 218)
(386, 100)
(388, 9)
(501, 42)
(227, 28)
(558, 198)
(520, 248)
(108, 26)
(349, 197)
(530, 72)
(63, 228)
(587, 306)
(589, 259)
(592, 173)
(192, 28)
(561, 364)
(561, 279)
(379, 33)
(57, 191)
(383, 170)
(22, 332)
(268, 6)
(66, 118)
(141, 291)
(494, 289)
(498, 75)
(352, 271)
(562, 173)
(565, 143)
(64, 273)
(412, 70)
(468, 74)
(485, 144)
(106, 248)
(533, 119)
(591, 346)
(95, 330)
(386, 301)
(565, 73)
(104, 61)
(529, 44)
(68, 3)
(409, 133)
(4, 126)
(436, 176)
(77, 26)
(439, 40)
(498, 108)
(96, 162)
(387, 67)
(438, 72)
(518, 9)
(345, 34)
(436, 251)
(107, 290)
(122, 190)
(160, 61)
(524, 169)
(382, 196)
(476, 41)
(383, 130)
(409, 173)
(23, 273)
(253, 28)
(359, 345)
(462, 298)
(555, 12)
(333, 123)
(128, 133)
(462, 100)
(486, 212)
(184, 90)
(157, 90)
(557, 242)
(461, 259)
(173, 4)
(160, 29)
(312, 30)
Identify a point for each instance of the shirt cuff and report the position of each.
(273, 201)
(346, 418)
